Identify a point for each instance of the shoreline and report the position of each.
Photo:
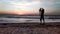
(52, 24)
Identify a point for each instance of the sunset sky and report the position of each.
(29, 6)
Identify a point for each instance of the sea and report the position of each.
(28, 19)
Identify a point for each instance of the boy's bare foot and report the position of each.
(42, 23)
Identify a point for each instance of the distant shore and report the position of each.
(29, 24)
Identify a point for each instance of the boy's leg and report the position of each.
(40, 20)
(43, 21)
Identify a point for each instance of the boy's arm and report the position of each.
(39, 10)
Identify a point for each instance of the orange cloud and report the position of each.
(19, 12)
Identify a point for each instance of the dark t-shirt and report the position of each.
(42, 12)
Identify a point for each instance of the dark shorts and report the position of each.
(42, 17)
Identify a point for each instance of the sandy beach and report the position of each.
(30, 28)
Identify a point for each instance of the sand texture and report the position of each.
(30, 28)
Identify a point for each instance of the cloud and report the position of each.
(50, 2)
(29, 5)
(14, 4)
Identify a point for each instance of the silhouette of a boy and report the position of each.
(41, 12)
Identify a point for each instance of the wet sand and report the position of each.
(30, 28)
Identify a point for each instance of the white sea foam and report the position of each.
(25, 20)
